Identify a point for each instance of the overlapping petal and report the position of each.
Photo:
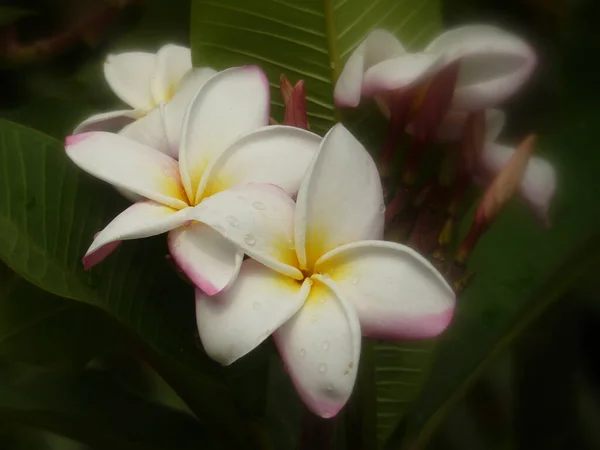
(209, 260)
(276, 154)
(397, 293)
(112, 120)
(236, 321)
(340, 200)
(150, 131)
(172, 63)
(128, 165)
(320, 346)
(129, 76)
(231, 104)
(259, 218)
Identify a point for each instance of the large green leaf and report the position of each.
(41, 329)
(89, 407)
(311, 41)
(49, 212)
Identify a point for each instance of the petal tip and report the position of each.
(77, 138)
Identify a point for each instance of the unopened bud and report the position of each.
(294, 101)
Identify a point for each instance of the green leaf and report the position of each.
(304, 40)
(41, 329)
(10, 14)
(311, 41)
(90, 408)
(49, 213)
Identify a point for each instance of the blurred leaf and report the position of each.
(10, 14)
(90, 408)
(310, 41)
(49, 212)
(41, 329)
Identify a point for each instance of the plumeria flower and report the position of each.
(158, 87)
(225, 145)
(469, 68)
(319, 275)
(537, 185)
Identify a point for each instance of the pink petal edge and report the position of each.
(91, 259)
(77, 138)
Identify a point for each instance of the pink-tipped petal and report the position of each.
(108, 121)
(379, 46)
(397, 293)
(340, 199)
(259, 218)
(209, 260)
(172, 63)
(128, 165)
(140, 220)
(276, 154)
(320, 345)
(92, 259)
(235, 322)
(494, 64)
(128, 75)
(232, 103)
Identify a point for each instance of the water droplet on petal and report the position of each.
(355, 279)
(329, 387)
(382, 209)
(232, 221)
(325, 346)
(259, 205)
(322, 368)
(303, 353)
(256, 306)
(249, 239)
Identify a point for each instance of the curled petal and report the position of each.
(397, 293)
(128, 165)
(231, 104)
(295, 108)
(128, 75)
(174, 110)
(209, 260)
(320, 346)
(379, 46)
(235, 322)
(494, 64)
(259, 218)
(140, 220)
(172, 63)
(340, 199)
(108, 121)
(150, 131)
(401, 72)
(276, 154)
(99, 255)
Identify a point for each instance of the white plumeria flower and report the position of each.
(538, 185)
(158, 87)
(225, 145)
(320, 275)
(493, 66)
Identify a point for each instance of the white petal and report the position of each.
(377, 47)
(140, 220)
(340, 200)
(175, 110)
(276, 154)
(494, 64)
(172, 63)
(231, 104)
(209, 260)
(128, 75)
(451, 128)
(235, 322)
(539, 182)
(260, 219)
(398, 73)
(397, 293)
(108, 121)
(128, 165)
(320, 347)
(150, 130)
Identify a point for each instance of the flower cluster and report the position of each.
(281, 230)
